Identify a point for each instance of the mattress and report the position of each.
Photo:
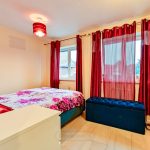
(57, 99)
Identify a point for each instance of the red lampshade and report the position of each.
(39, 29)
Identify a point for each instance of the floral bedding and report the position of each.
(57, 99)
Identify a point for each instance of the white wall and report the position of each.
(21, 65)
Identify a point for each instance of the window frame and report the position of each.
(68, 49)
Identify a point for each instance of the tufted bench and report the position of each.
(128, 115)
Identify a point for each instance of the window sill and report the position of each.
(68, 80)
(137, 82)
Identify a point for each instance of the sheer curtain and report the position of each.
(79, 64)
(55, 60)
(144, 90)
(96, 65)
(119, 61)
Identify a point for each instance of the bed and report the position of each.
(70, 103)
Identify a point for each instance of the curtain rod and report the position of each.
(70, 38)
(138, 23)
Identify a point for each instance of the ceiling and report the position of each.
(66, 17)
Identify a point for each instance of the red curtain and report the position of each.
(96, 65)
(119, 61)
(79, 64)
(144, 90)
(55, 60)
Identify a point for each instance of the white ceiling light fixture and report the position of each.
(38, 18)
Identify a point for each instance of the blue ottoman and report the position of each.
(123, 114)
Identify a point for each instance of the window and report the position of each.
(117, 47)
(68, 63)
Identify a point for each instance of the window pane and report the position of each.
(130, 53)
(68, 63)
(113, 61)
(63, 73)
(113, 53)
(73, 58)
(137, 58)
(73, 73)
(64, 58)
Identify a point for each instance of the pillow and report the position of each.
(4, 109)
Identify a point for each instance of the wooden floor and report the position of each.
(83, 135)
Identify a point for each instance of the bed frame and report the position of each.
(65, 116)
(71, 114)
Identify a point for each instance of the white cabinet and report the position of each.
(30, 128)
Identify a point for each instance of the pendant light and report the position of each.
(39, 29)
